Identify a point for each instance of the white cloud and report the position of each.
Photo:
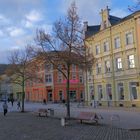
(119, 12)
(1, 33)
(3, 19)
(23, 41)
(27, 23)
(88, 10)
(34, 16)
(15, 32)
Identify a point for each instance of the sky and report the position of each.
(19, 19)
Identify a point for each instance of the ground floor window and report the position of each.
(133, 90)
(100, 94)
(60, 95)
(72, 94)
(82, 96)
(120, 91)
(109, 91)
(91, 91)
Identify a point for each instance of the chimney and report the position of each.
(105, 18)
(85, 25)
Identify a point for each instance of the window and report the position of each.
(120, 91)
(129, 38)
(60, 67)
(131, 61)
(106, 46)
(82, 95)
(98, 51)
(109, 91)
(81, 78)
(117, 42)
(60, 78)
(107, 66)
(73, 67)
(133, 90)
(119, 63)
(48, 78)
(74, 76)
(100, 94)
(98, 68)
(60, 95)
(48, 67)
(72, 94)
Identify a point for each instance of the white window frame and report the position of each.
(60, 77)
(133, 85)
(109, 91)
(120, 87)
(73, 67)
(48, 78)
(106, 46)
(117, 42)
(73, 75)
(129, 38)
(98, 49)
(100, 92)
(107, 66)
(131, 61)
(98, 68)
(119, 63)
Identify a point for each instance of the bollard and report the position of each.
(62, 121)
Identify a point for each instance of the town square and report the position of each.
(69, 70)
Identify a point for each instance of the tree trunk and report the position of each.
(68, 99)
(23, 96)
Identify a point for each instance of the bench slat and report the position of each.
(88, 116)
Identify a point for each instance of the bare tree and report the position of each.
(135, 7)
(65, 46)
(21, 70)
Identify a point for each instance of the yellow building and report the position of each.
(115, 44)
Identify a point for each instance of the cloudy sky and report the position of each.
(19, 19)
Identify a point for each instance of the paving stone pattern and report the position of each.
(26, 126)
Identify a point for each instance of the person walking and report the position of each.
(5, 108)
(12, 101)
(18, 105)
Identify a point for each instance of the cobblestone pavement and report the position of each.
(129, 117)
(26, 126)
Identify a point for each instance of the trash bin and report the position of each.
(62, 121)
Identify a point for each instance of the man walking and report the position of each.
(5, 108)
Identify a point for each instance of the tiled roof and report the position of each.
(114, 20)
(92, 30)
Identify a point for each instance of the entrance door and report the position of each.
(50, 95)
(72, 95)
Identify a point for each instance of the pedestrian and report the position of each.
(5, 108)
(18, 105)
(12, 101)
(44, 101)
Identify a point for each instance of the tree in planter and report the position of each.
(64, 47)
(21, 69)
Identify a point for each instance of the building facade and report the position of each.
(115, 44)
(9, 89)
(52, 87)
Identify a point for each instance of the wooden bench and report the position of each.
(88, 116)
(42, 112)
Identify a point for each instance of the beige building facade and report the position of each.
(115, 44)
